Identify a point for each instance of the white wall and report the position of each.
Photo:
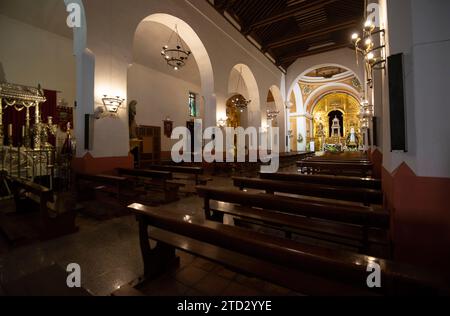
(421, 30)
(30, 56)
(225, 46)
(145, 86)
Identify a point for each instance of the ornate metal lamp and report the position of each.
(240, 102)
(374, 57)
(175, 56)
(222, 122)
(272, 114)
(112, 104)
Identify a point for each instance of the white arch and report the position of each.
(249, 79)
(276, 93)
(330, 88)
(297, 79)
(200, 55)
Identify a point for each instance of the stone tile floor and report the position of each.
(109, 256)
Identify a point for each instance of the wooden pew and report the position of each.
(345, 156)
(336, 168)
(305, 269)
(101, 182)
(156, 180)
(354, 182)
(197, 172)
(366, 196)
(355, 226)
(51, 222)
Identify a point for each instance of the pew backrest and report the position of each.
(356, 182)
(286, 262)
(351, 214)
(145, 173)
(337, 168)
(366, 196)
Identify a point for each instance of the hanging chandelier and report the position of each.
(175, 56)
(374, 56)
(239, 101)
(272, 114)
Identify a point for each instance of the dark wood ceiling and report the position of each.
(291, 29)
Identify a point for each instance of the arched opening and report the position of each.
(341, 106)
(242, 82)
(169, 97)
(235, 117)
(304, 95)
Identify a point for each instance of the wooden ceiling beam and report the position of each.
(224, 5)
(294, 11)
(330, 28)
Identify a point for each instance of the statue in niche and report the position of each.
(321, 136)
(132, 111)
(135, 142)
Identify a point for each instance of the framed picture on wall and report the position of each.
(168, 127)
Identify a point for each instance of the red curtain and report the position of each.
(17, 119)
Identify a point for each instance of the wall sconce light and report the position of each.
(222, 122)
(112, 104)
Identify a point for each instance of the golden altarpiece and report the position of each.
(324, 115)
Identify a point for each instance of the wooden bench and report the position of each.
(349, 225)
(49, 222)
(100, 182)
(197, 172)
(365, 196)
(336, 168)
(305, 269)
(354, 182)
(155, 180)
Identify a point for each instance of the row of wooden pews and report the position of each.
(159, 184)
(333, 229)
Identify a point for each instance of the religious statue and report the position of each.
(321, 135)
(135, 142)
(132, 111)
(352, 139)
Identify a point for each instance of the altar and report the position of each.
(336, 123)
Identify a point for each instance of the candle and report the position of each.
(23, 132)
(10, 131)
